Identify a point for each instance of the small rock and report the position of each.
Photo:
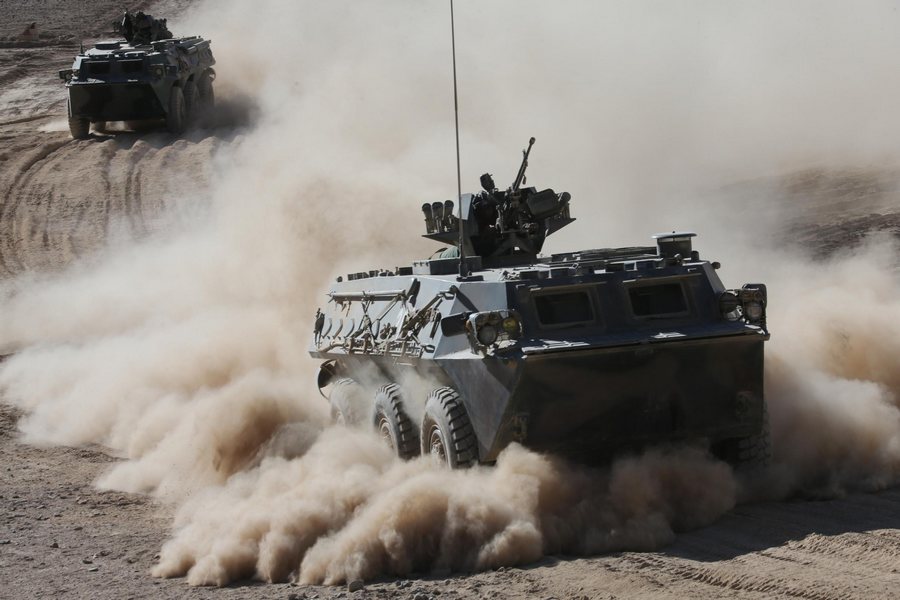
(355, 585)
(94, 569)
(5, 542)
(296, 597)
(421, 596)
(54, 545)
(104, 553)
(78, 528)
(87, 561)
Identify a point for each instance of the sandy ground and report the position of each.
(60, 537)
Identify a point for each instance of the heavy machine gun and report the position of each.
(140, 29)
(504, 228)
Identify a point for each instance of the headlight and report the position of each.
(751, 299)
(511, 325)
(489, 328)
(753, 311)
(487, 334)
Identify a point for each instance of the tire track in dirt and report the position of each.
(15, 192)
(818, 550)
(63, 199)
(132, 192)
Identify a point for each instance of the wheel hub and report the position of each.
(436, 444)
(384, 428)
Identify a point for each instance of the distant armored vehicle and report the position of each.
(585, 354)
(149, 75)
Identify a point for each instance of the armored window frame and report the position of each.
(97, 67)
(588, 291)
(131, 66)
(685, 306)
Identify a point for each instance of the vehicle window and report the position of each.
(132, 66)
(98, 68)
(563, 308)
(657, 300)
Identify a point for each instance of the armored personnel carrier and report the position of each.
(148, 75)
(586, 354)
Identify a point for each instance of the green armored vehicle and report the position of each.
(148, 75)
(585, 354)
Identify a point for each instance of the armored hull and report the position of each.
(611, 352)
(586, 353)
(141, 79)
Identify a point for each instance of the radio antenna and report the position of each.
(463, 270)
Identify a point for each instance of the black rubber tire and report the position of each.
(191, 102)
(447, 433)
(345, 402)
(751, 453)
(393, 423)
(206, 96)
(79, 128)
(176, 118)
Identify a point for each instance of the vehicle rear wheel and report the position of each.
(177, 115)
(393, 423)
(347, 402)
(447, 433)
(191, 101)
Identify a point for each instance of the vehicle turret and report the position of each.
(503, 228)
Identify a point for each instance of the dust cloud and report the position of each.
(348, 510)
(185, 353)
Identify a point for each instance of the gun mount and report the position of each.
(504, 228)
(140, 29)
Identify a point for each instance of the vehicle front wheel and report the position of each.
(447, 433)
(347, 403)
(751, 453)
(176, 118)
(393, 423)
(79, 128)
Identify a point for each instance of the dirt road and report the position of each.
(63, 538)
(61, 200)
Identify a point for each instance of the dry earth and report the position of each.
(60, 537)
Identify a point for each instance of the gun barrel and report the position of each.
(521, 175)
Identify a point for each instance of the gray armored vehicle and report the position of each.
(148, 75)
(585, 354)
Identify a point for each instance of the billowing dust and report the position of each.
(185, 353)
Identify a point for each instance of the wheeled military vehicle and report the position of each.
(148, 75)
(585, 354)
